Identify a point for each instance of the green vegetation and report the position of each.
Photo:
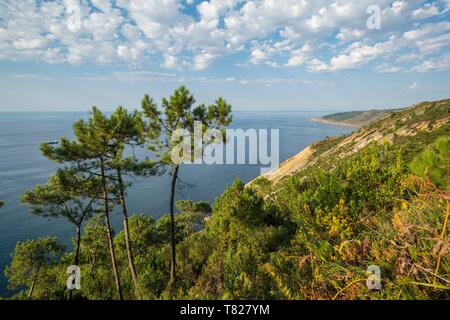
(32, 265)
(326, 144)
(179, 114)
(96, 158)
(358, 118)
(66, 195)
(434, 163)
(376, 197)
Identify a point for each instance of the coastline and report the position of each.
(336, 123)
(300, 159)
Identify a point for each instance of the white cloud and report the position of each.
(386, 68)
(346, 34)
(446, 3)
(398, 6)
(360, 55)
(435, 43)
(169, 61)
(150, 76)
(428, 10)
(430, 37)
(203, 60)
(299, 56)
(130, 54)
(103, 26)
(258, 56)
(35, 43)
(262, 52)
(441, 63)
(214, 9)
(413, 86)
(427, 30)
(103, 5)
(316, 65)
(31, 76)
(290, 33)
(153, 17)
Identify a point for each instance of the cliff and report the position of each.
(388, 127)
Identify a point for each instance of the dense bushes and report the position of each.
(434, 163)
(313, 239)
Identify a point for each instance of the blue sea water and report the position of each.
(22, 166)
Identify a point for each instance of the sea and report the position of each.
(22, 166)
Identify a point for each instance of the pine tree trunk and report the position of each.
(126, 229)
(109, 232)
(33, 283)
(172, 224)
(76, 257)
(77, 249)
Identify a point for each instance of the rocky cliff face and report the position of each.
(423, 117)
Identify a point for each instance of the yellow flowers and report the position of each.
(306, 208)
(336, 222)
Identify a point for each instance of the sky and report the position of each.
(296, 55)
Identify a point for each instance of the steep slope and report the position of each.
(420, 118)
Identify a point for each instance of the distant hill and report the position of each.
(355, 118)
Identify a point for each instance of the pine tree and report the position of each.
(29, 259)
(69, 195)
(99, 150)
(91, 153)
(127, 130)
(178, 112)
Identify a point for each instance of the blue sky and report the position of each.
(260, 55)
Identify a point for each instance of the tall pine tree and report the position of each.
(178, 113)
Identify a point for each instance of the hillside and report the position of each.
(391, 127)
(354, 118)
(363, 216)
(377, 197)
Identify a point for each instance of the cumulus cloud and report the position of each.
(299, 56)
(358, 55)
(346, 34)
(203, 60)
(319, 36)
(441, 63)
(427, 11)
(263, 52)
